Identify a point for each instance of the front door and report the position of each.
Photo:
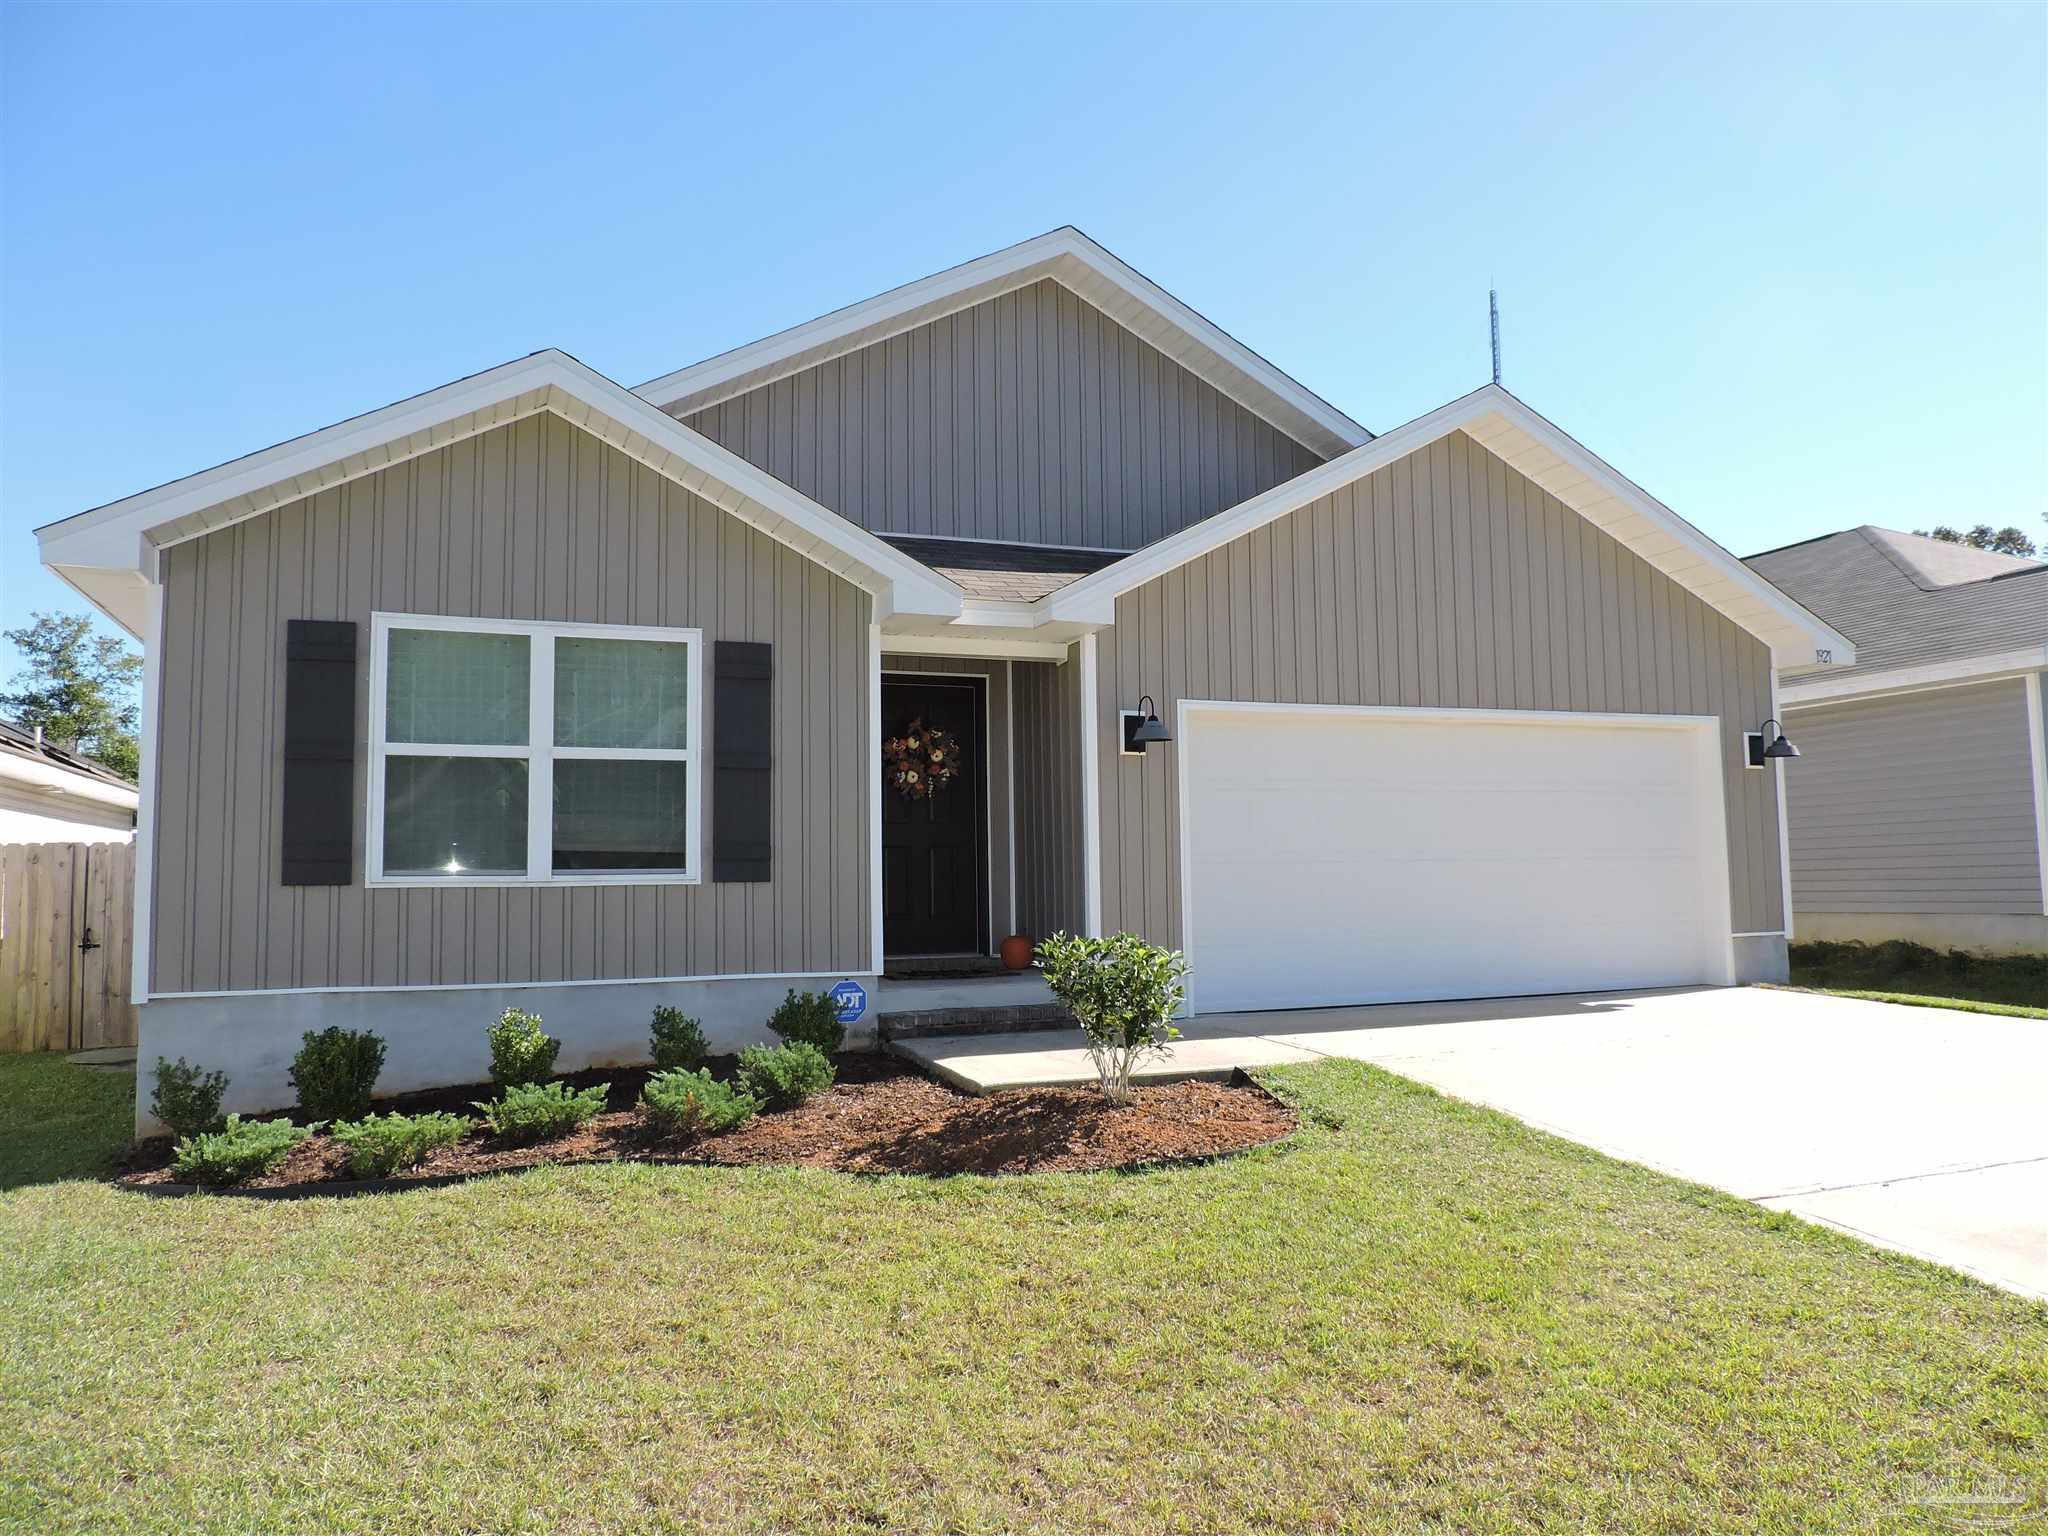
(934, 828)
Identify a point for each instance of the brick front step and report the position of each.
(926, 1023)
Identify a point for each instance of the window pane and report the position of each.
(452, 686)
(622, 693)
(613, 815)
(464, 812)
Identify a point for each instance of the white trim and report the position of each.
(1535, 447)
(1010, 736)
(142, 914)
(1784, 825)
(538, 754)
(1706, 731)
(1069, 257)
(1761, 933)
(500, 986)
(875, 797)
(1915, 679)
(118, 535)
(988, 783)
(2037, 743)
(987, 648)
(1091, 796)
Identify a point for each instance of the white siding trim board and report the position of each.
(2037, 744)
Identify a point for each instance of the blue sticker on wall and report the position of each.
(852, 999)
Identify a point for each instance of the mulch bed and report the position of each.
(881, 1116)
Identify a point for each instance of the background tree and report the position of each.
(78, 686)
(2004, 541)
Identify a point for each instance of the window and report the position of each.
(504, 752)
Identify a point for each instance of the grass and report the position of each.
(2015, 986)
(1415, 1315)
(58, 1121)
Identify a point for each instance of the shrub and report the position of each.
(239, 1151)
(187, 1099)
(521, 1052)
(677, 1041)
(529, 1112)
(695, 1103)
(335, 1071)
(380, 1145)
(1121, 991)
(809, 1017)
(783, 1076)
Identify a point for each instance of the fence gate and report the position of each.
(66, 924)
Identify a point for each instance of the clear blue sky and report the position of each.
(1786, 268)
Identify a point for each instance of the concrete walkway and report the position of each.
(1918, 1129)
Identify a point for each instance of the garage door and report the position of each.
(1346, 856)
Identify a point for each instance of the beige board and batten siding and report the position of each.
(1050, 886)
(1444, 580)
(1031, 417)
(534, 520)
(996, 675)
(1922, 802)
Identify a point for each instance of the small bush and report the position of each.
(529, 1112)
(695, 1104)
(335, 1072)
(521, 1051)
(809, 1017)
(380, 1145)
(1121, 991)
(239, 1151)
(187, 1099)
(677, 1041)
(783, 1076)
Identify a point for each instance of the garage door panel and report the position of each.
(1337, 859)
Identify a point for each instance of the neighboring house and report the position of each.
(535, 689)
(1919, 806)
(51, 794)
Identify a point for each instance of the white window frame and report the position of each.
(538, 754)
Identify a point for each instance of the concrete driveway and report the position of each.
(1919, 1129)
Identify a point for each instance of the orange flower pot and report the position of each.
(1017, 952)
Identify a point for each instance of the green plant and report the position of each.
(783, 1076)
(810, 1017)
(677, 1041)
(380, 1145)
(187, 1099)
(521, 1051)
(529, 1112)
(239, 1151)
(695, 1103)
(1121, 991)
(336, 1071)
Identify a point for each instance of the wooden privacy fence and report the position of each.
(66, 924)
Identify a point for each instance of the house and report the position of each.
(536, 689)
(1919, 808)
(52, 794)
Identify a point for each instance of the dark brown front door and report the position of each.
(935, 849)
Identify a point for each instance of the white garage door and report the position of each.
(1345, 856)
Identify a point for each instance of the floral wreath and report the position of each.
(922, 761)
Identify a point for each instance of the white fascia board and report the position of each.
(1916, 679)
(124, 535)
(1065, 255)
(1688, 556)
(56, 780)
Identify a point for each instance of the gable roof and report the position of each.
(1912, 601)
(1069, 258)
(1540, 450)
(109, 553)
(985, 568)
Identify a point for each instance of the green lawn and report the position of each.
(1414, 1316)
(1898, 972)
(58, 1121)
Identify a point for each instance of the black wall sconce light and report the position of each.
(1141, 727)
(1779, 747)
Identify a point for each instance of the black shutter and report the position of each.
(319, 752)
(743, 671)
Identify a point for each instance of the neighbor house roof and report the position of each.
(1911, 602)
(109, 553)
(32, 760)
(1068, 257)
(1538, 449)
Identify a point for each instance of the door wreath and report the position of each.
(922, 761)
